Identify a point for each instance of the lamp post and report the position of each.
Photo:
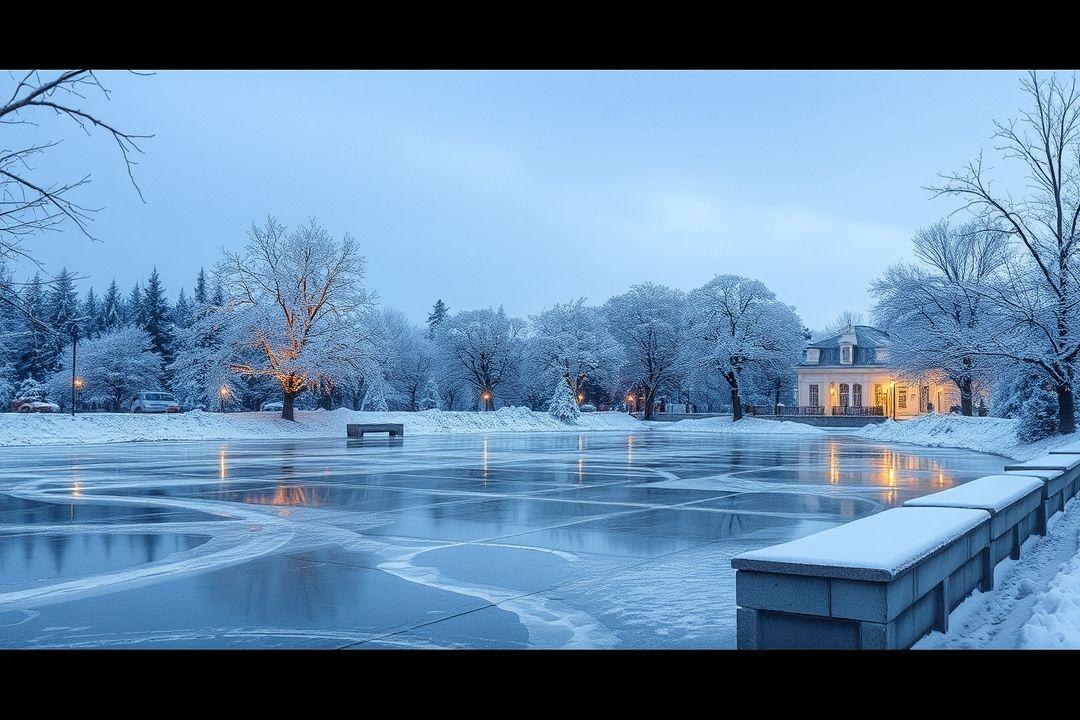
(223, 393)
(74, 342)
(486, 397)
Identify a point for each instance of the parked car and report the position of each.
(151, 402)
(29, 405)
(588, 408)
(271, 406)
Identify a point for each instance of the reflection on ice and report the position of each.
(510, 540)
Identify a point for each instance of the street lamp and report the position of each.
(580, 398)
(74, 387)
(223, 393)
(486, 397)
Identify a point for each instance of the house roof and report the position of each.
(867, 341)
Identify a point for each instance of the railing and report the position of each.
(783, 410)
(862, 411)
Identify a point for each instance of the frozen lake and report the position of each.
(510, 540)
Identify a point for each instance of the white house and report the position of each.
(849, 374)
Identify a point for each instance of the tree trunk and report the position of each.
(1066, 409)
(966, 406)
(648, 409)
(776, 402)
(736, 401)
(287, 406)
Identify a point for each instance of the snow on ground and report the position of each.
(62, 429)
(748, 425)
(996, 436)
(1035, 602)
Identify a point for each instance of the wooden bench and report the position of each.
(357, 430)
(881, 582)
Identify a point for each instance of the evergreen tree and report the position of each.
(112, 309)
(563, 405)
(156, 318)
(1038, 414)
(436, 316)
(133, 309)
(183, 313)
(200, 288)
(218, 298)
(31, 355)
(90, 324)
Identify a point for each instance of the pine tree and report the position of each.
(431, 397)
(563, 405)
(436, 316)
(32, 351)
(183, 314)
(200, 288)
(90, 323)
(1038, 415)
(112, 310)
(218, 298)
(133, 309)
(156, 318)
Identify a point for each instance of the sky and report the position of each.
(525, 189)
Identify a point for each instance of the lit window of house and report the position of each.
(845, 395)
(814, 399)
(856, 395)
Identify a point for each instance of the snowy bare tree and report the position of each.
(1036, 300)
(29, 204)
(486, 345)
(573, 341)
(736, 325)
(297, 297)
(647, 321)
(931, 308)
(113, 366)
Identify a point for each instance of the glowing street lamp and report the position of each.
(580, 398)
(486, 397)
(224, 393)
(77, 384)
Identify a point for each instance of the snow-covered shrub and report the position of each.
(431, 397)
(31, 389)
(1038, 415)
(563, 405)
(7, 385)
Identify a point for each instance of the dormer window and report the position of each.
(812, 355)
(845, 354)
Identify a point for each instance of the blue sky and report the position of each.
(530, 188)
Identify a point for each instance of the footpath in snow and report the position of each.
(61, 429)
(746, 426)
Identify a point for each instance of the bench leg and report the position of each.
(986, 562)
(1015, 553)
(941, 621)
(1040, 519)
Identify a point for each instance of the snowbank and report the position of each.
(996, 436)
(748, 425)
(44, 429)
(1055, 616)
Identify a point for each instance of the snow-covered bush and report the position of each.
(31, 389)
(7, 385)
(1038, 415)
(563, 405)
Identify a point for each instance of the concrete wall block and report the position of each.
(877, 636)
(932, 570)
(747, 632)
(786, 631)
(785, 593)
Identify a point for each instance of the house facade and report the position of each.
(849, 374)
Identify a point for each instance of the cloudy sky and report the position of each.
(530, 188)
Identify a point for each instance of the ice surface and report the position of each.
(890, 542)
(601, 539)
(993, 493)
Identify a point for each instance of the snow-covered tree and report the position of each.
(1036, 300)
(90, 314)
(31, 389)
(157, 317)
(296, 298)
(647, 321)
(486, 346)
(202, 296)
(1038, 414)
(33, 355)
(201, 365)
(736, 326)
(183, 312)
(436, 316)
(112, 309)
(7, 384)
(61, 315)
(134, 312)
(573, 341)
(563, 403)
(930, 309)
(114, 367)
(430, 400)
